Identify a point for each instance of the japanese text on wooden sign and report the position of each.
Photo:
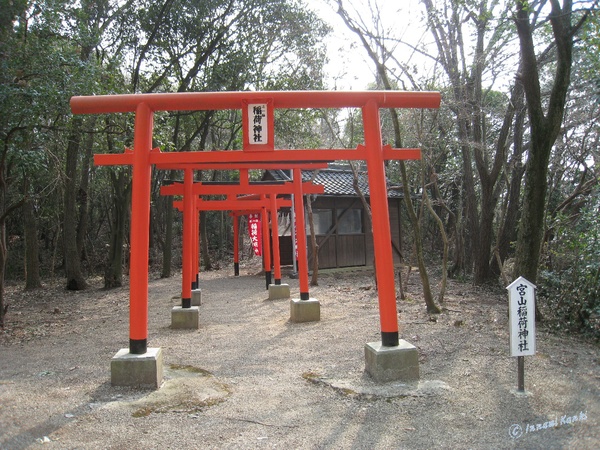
(521, 317)
(258, 126)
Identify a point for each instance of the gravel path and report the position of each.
(248, 378)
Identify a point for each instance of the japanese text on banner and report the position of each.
(254, 228)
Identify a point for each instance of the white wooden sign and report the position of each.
(521, 317)
(257, 124)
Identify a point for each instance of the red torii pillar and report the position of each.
(140, 220)
(189, 243)
(381, 226)
(301, 235)
(304, 309)
(236, 245)
(187, 316)
(264, 215)
(275, 234)
(196, 263)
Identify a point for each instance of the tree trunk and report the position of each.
(204, 242)
(5, 211)
(75, 279)
(440, 225)
(465, 103)
(508, 228)
(432, 308)
(82, 198)
(113, 274)
(382, 72)
(3, 258)
(544, 128)
(3, 247)
(456, 223)
(531, 226)
(470, 220)
(32, 257)
(491, 184)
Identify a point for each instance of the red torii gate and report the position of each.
(243, 207)
(258, 147)
(255, 199)
(244, 180)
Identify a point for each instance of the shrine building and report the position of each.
(342, 227)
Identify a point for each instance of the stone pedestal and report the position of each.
(277, 291)
(196, 297)
(305, 310)
(146, 370)
(399, 363)
(184, 318)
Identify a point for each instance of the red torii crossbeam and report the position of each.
(142, 158)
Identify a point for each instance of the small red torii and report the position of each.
(255, 198)
(258, 147)
(244, 207)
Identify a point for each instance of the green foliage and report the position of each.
(569, 288)
(297, 129)
(588, 48)
(52, 50)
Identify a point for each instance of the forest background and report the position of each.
(508, 183)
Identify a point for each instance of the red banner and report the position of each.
(255, 230)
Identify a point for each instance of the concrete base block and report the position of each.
(399, 363)
(277, 291)
(305, 310)
(196, 297)
(184, 318)
(145, 370)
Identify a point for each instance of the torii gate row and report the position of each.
(252, 201)
(190, 257)
(258, 146)
(235, 214)
(232, 190)
(248, 207)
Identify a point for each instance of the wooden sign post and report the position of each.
(521, 319)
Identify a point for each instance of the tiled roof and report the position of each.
(337, 182)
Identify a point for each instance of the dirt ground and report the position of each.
(248, 378)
